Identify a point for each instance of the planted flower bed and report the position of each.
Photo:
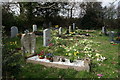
(77, 64)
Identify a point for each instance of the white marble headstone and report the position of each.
(28, 41)
(60, 30)
(73, 26)
(14, 31)
(34, 28)
(46, 37)
(69, 29)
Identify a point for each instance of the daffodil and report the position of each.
(75, 53)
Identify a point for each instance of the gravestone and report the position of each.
(69, 29)
(73, 26)
(14, 31)
(44, 25)
(104, 31)
(50, 24)
(60, 30)
(28, 42)
(46, 37)
(34, 28)
(111, 35)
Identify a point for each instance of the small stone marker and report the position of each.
(14, 31)
(28, 41)
(46, 37)
(34, 28)
(73, 26)
(69, 29)
(60, 30)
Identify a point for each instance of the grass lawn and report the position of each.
(108, 68)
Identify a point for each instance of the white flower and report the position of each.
(98, 59)
(97, 54)
(89, 55)
(102, 58)
(75, 50)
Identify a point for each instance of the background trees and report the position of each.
(91, 15)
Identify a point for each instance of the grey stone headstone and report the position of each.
(46, 37)
(34, 28)
(50, 24)
(73, 26)
(60, 30)
(14, 31)
(69, 29)
(111, 35)
(44, 25)
(104, 30)
(28, 41)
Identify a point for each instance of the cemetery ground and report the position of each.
(99, 45)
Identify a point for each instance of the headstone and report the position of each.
(60, 30)
(50, 24)
(104, 30)
(44, 25)
(28, 41)
(46, 37)
(111, 35)
(14, 31)
(69, 29)
(73, 26)
(34, 28)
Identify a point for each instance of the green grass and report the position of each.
(107, 68)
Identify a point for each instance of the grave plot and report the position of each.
(76, 65)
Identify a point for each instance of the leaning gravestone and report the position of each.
(28, 42)
(69, 29)
(46, 37)
(73, 26)
(14, 31)
(34, 28)
(60, 30)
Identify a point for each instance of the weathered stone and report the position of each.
(28, 42)
(34, 28)
(14, 31)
